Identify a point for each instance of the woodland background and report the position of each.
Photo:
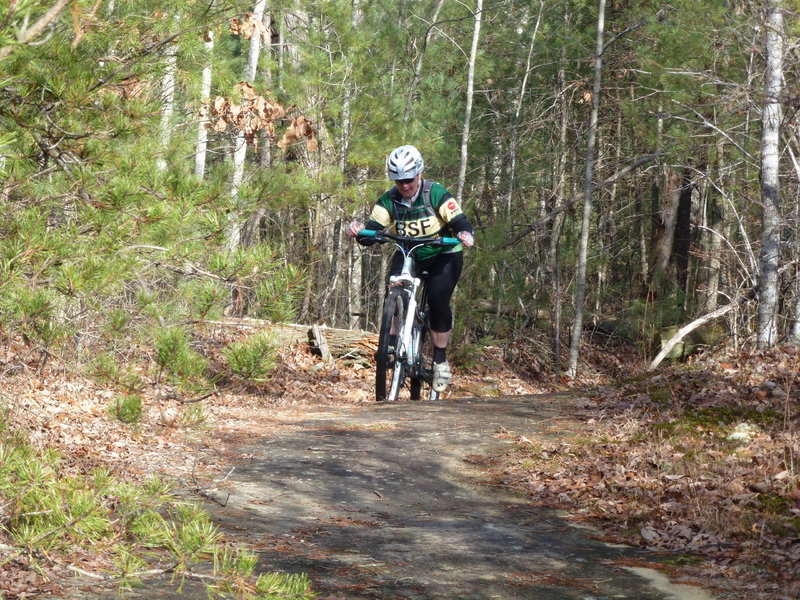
(167, 163)
(631, 168)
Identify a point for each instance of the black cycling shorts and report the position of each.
(443, 272)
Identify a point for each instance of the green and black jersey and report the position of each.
(433, 212)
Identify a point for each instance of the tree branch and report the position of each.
(625, 31)
(37, 28)
(642, 160)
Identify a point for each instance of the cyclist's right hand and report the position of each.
(354, 228)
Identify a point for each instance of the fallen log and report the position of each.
(331, 343)
(686, 330)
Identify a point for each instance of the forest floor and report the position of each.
(698, 463)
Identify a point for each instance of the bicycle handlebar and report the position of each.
(383, 236)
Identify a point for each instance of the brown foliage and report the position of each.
(131, 87)
(255, 113)
(248, 27)
(300, 128)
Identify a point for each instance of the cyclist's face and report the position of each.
(407, 187)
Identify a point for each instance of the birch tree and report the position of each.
(476, 32)
(205, 94)
(168, 98)
(767, 330)
(583, 250)
(240, 143)
(518, 110)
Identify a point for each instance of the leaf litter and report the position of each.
(701, 462)
(56, 407)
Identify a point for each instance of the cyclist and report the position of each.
(423, 208)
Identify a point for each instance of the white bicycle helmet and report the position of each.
(404, 162)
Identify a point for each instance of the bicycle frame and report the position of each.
(407, 351)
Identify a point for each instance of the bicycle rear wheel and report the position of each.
(386, 360)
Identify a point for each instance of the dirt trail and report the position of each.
(377, 502)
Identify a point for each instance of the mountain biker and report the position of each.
(423, 208)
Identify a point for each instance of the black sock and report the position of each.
(439, 354)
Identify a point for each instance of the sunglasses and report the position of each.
(405, 181)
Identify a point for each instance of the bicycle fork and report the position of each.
(410, 284)
(407, 350)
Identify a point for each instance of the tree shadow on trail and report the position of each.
(380, 503)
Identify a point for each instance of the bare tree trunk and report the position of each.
(205, 94)
(794, 336)
(236, 220)
(265, 156)
(462, 174)
(557, 316)
(642, 231)
(664, 234)
(167, 100)
(412, 89)
(561, 163)
(655, 211)
(255, 44)
(512, 171)
(715, 225)
(281, 52)
(682, 241)
(554, 254)
(355, 282)
(583, 250)
(767, 329)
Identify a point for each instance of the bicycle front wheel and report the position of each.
(424, 361)
(386, 359)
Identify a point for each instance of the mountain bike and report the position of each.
(405, 347)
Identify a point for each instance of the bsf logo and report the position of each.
(452, 205)
(421, 227)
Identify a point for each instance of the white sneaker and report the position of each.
(441, 376)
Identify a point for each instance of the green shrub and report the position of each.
(277, 296)
(194, 416)
(251, 358)
(127, 408)
(37, 317)
(173, 353)
(116, 323)
(48, 516)
(205, 299)
(105, 368)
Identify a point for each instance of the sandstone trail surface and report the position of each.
(379, 501)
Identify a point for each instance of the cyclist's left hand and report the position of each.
(466, 238)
